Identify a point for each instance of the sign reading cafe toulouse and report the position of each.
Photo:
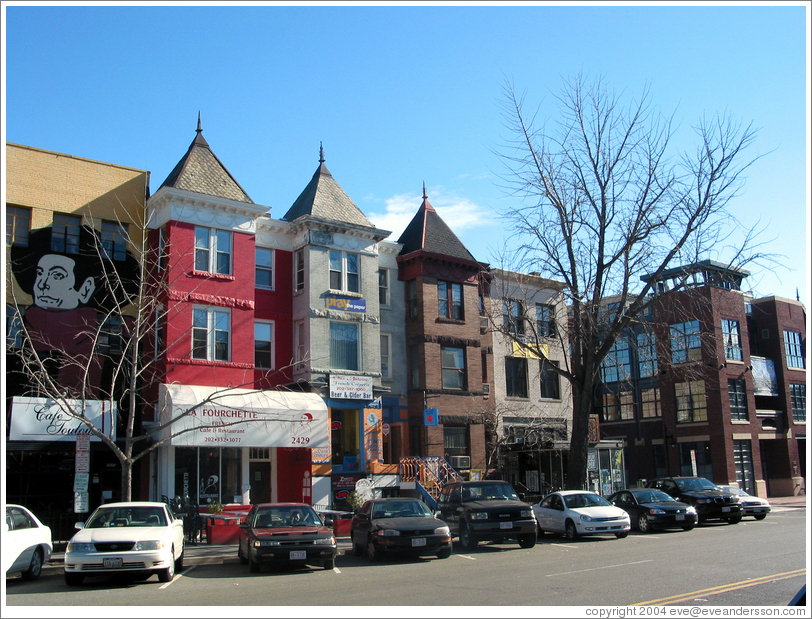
(43, 419)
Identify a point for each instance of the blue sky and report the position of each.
(401, 95)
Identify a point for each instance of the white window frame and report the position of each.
(386, 355)
(262, 267)
(731, 339)
(383, 290)
(793, 348)
(214, 249)
(299, 343)
(344, 272)
(212, 315)
(271, 341)
(298, 270)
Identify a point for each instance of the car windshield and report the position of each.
(489, 492)
(696, 483)
(587, 499)
(285, 516)
(400, 509)
(127, 517)
(654, 496)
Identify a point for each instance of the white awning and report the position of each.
(225, 417)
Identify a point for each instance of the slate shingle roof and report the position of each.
(427, 231)
(201, 171)
(325, 199)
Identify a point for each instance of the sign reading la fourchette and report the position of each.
(350, 387)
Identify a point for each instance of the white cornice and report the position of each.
(169, 204)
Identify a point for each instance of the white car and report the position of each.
(575, 513)
(27, 543)
(138, 538)
(751, 505)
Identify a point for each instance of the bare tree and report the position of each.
(606, 200)
(123, 356)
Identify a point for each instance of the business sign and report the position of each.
(345, 304)
(350, 387)
(44, 419)
(431, 417)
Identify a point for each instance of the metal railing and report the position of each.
(431, 472)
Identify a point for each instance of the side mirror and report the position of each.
(362, 516)
(79, 525)
(244, 525)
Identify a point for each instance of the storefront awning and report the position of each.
(224, 417)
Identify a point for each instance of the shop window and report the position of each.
(345, 437)
(208, 474)
(212, 250)
(698, 452)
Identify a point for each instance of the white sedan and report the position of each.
(27, 543)
(751, 505)
(577, 512)
(138, 538)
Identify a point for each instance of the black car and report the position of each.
(287, 534)
(708, 500)
(651, 509)
(486, 510)
(398, 525)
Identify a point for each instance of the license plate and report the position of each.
(298, 555)
(419, 541)
(505, 525)
(725, 509)
(113, 563)
(680, 516)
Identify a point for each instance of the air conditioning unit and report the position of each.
(486, 388)
(461, 462)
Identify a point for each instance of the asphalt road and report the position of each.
(749, 564)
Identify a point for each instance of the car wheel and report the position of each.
(372, 550)
(760, 516)
(444, 553)
(73, 580)
(179, 562)
(621, 534)
(467, 539)
(328, 565)
(687, 527)
(35, 567)
(539, 531)
(357, 549)
(527, 541)
(570, 531)
(168, 573)
(643, 524)
(253, 566)
(735, 520)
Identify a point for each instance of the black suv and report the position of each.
(710, 502)
(486, 510)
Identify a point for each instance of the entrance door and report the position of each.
(260, 475)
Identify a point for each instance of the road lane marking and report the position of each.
(567, 546)
(686, 597)
(178, 576)
(603, 567)
(466, 557)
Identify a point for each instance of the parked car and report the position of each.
(398, 525)
(285, 534)
(576, 513)
(138, 539)
(651, 509)
(751, 505)
(27, 543)
(708, 500)
(486, 510)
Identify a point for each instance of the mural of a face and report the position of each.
(56, 287)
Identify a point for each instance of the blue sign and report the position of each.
(431, 417)
(345, 304)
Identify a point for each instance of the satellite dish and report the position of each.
(364, 489)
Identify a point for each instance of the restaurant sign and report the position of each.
(350, 387)
(44, 419)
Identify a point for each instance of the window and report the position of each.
(162, 252)
(411, 298)
(618, 406)
(386, 355)
(549, 381)
(516, 377)
(685, 342)
(737, 392)
(449, 297)
(114, 240)
(453, 364)
(414, 367)
(344, 341)
(455, 440)
(263, 345)
(513, 316)
(691, 401)
(698, 453)
(383, 286)
(14, 327)
(211, 330)
(646, 354)
(617, 365)
(545, 320)
(650, 403)
(65, 233)
(264, 267)
(299, 343)
(18, 225)
(794, 349)
(344, 274)
(299, 270)
(160, 332)
(732, 339)
(212, 250)
(797, 393)
(111, 338)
